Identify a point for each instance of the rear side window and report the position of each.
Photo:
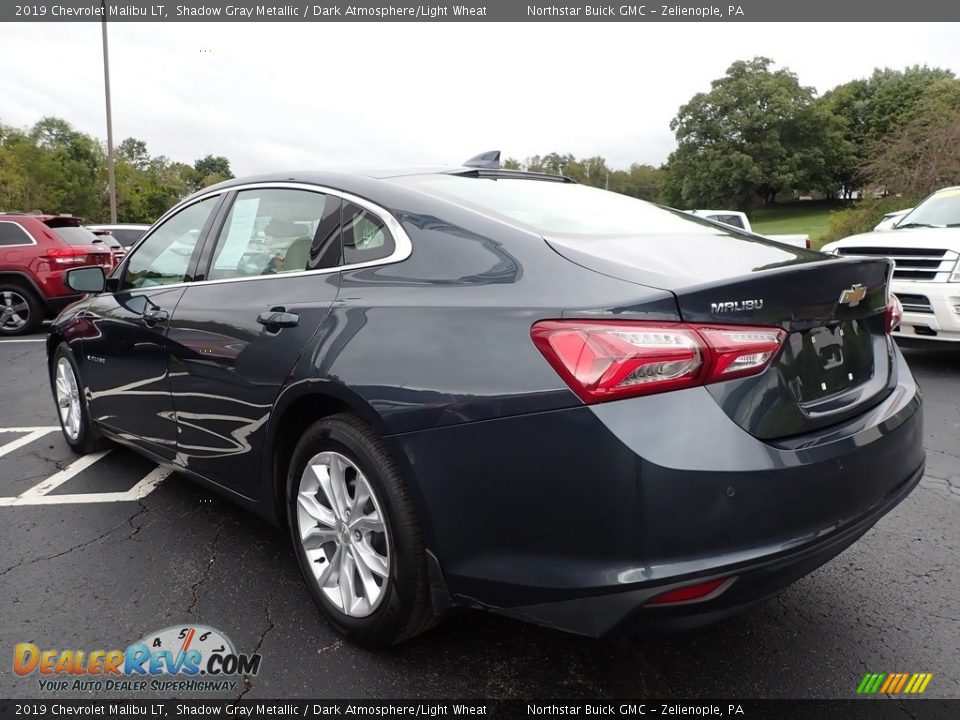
(13, 234)
(732, 220)
(365, 236)
(275, 231)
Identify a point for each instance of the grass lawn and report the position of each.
(800, 217)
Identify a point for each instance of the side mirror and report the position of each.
(86, 279)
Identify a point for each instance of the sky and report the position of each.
(277, 96)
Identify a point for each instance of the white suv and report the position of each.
(925, 246)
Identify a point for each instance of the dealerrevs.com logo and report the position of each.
(178, 658)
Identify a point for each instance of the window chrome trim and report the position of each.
(31, 238)
(403, 247)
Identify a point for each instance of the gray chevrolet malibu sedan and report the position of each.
(474, 387)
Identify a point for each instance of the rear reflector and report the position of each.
(607, 360)
(689, 593)
(894, 313)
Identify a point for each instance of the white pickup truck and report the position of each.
(925, 247)
(737, 219)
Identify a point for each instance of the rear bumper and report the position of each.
(574, 518)
(936, 319)
(749, 585)
(56, 304)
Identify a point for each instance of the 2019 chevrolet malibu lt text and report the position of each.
(483, 388)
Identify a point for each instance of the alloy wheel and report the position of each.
(14, 310)
(343, 534)
(68, 398)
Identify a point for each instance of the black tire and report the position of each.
(405, 609)
(88, 439)
(27, 310)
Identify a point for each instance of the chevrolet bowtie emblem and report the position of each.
(852, 295)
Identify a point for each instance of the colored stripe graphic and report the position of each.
(894, 683)
(918, 683)
(892, 680)
(903, 680)
(870, 683)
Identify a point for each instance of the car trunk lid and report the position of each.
(836, 360)
(80, 246)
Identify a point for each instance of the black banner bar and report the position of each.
(875, 708)
(475, 11)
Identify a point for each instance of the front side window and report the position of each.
(164, 257)
(277, 231)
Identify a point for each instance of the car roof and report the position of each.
(119, 226)
(358, 179)
(42, 217)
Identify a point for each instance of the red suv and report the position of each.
(35, 251)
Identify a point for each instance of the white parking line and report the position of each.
(23, 340)
(58, 479)
(48, 428)
(32, 434)
(137, 492)
(39, 494)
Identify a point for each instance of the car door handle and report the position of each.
(153, 317)
(278, 318)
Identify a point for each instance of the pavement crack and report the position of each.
(247, 679)
(54, 556)
(212, 551)
(943, 452)
(136, 528)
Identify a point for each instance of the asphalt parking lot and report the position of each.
(96, 554)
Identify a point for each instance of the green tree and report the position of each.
(923, 153)
(134, 152)
(640, 181)
(872, 110)
(893, 95)
(591, 171)
(756, 133)
(70, 169)
(11, 174)
(55, 168)
(211, 170)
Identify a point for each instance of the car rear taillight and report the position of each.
(894, 313)
(692, 593)
(67, 255)
(606, 360)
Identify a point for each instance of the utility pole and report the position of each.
(111, 175)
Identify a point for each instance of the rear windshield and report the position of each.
(75, 235)
(557, 208)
